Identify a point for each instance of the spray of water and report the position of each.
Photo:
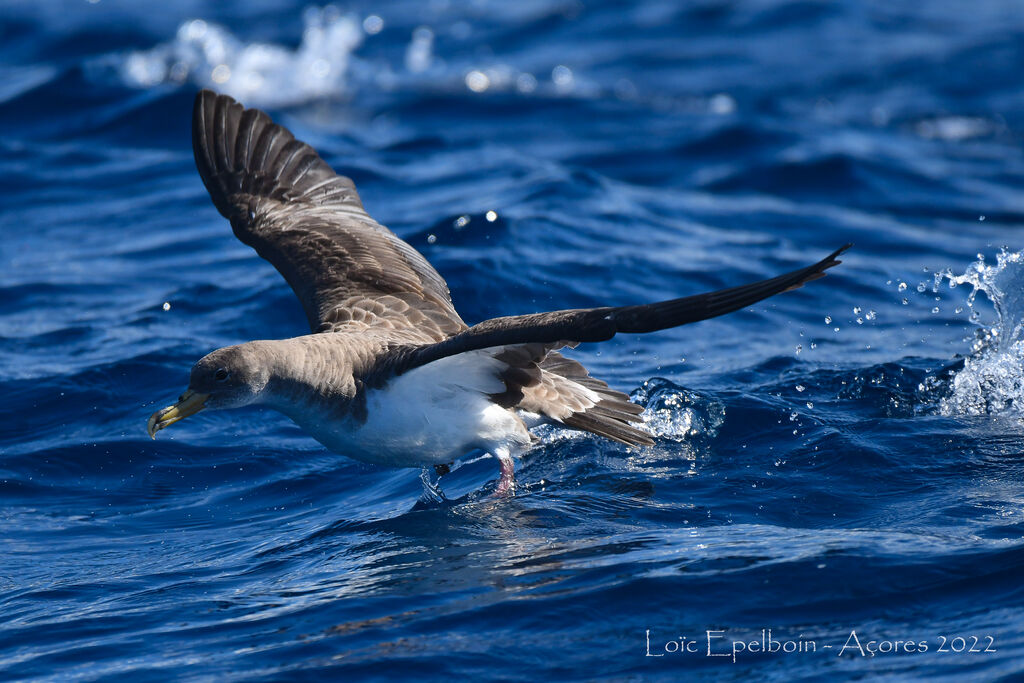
(992, 378)
(260, 74)
(678, 414)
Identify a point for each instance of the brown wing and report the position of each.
(540, 380)
(559, 328)
(284, 201)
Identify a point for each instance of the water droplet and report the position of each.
(801, 388)
(721, 104)
(461, 222)
(814, 345)
(799, 348)
(856, 310)
(196, 29)
(793, 416)
(221, 73)
(320, 68)
(477, 81)
(179, 72)
(526, 83)
(935, 310)
(981, 218)
(871, 315)
(921, 286)
(810, 405)
(828, 319)
(167, 305)
(419, 53)
(491, 216)
(904, 301)
(562, 77)
(373, 24)
(902, 287)
(431, 238)
(860, 321)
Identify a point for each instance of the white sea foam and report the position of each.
(325, 65)
(670, 412)
(261, 74)
(992, 378)
(955, 128)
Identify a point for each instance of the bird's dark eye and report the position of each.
(221, 375)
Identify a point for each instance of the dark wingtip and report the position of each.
(831, 259)
(206, 97)
(208, 144)
(241, 151)
(817, 271)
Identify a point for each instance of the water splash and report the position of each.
(992, 378)
(672, 412)
(260, 74)
(324, 65)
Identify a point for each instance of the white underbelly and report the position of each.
(432, 415)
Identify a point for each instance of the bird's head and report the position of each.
(226, 378)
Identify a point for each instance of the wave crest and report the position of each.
(260, 74)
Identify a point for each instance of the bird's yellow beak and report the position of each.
(190, 403)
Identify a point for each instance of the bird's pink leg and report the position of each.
(507, 481)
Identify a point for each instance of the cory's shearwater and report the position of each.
(391, 374)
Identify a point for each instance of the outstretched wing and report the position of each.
(540, 380)
(284, 201)
(559, 328)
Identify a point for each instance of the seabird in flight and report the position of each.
(391, 374)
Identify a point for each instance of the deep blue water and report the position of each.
(845, 458)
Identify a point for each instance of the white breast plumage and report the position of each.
(431, 415)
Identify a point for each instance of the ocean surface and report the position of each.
(838, 476)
